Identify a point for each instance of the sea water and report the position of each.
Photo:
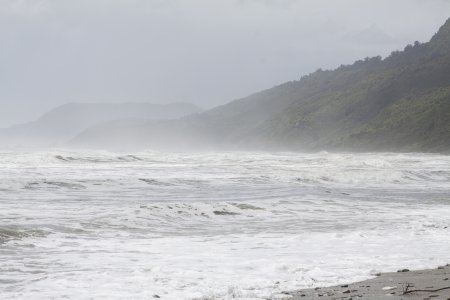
(101, 225)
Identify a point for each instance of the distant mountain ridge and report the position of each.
(400, 103)
(64, 122)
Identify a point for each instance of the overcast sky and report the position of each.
(207, 52)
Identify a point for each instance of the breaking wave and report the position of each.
(214, 225)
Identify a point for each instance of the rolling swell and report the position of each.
(125, 158)
(8, 233)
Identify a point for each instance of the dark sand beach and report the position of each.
(404, 284)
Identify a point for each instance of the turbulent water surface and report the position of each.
(98, 225)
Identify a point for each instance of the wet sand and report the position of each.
(404, 284)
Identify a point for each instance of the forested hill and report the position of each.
(400, 103)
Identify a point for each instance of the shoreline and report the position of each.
(403, 284)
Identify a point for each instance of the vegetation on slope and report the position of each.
(400, 103)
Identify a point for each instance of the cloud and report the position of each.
(369, 36)
(201, 51)
(25, 8)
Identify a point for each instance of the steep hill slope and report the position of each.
(400, 103)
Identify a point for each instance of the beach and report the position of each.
(403, 284)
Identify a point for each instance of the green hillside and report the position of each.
(400, 103)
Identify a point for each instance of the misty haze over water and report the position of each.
(236, 149)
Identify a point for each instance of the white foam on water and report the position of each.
(100, 225)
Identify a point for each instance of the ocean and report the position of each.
(227, 225)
